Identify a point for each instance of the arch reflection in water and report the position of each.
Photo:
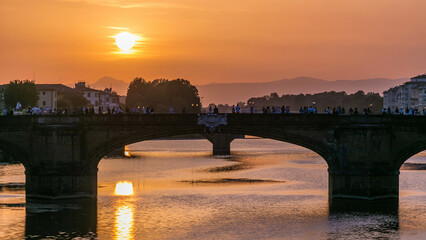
(124, 188)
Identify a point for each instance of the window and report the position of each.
(88, 94)
(44, 103)
(96, 95)
(44, 93)
(96, 103)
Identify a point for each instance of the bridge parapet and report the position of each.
(212, 121)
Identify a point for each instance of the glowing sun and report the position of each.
(124, 188)
(125, 41)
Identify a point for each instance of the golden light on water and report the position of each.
(124, 221)
(124, 188)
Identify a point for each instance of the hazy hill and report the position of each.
(119, 86)
(231, 93)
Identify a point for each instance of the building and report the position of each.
(49, 94)
(93, 96)
(110, 99)
(106, 99)
(411, 94)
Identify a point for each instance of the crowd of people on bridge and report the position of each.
(211, 110)
(402, 111)
(64, 111)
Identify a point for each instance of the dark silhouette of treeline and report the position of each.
(162, 94)
(321, 101)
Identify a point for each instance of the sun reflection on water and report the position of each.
(124, 221)
(124, 188)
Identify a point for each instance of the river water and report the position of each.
(175, 189)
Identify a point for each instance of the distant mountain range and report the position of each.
(231, 93)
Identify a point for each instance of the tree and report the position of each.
(23, 91)
(161, 94)
(72, 100)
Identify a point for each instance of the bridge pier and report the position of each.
(64, 183)
(59, 166)
(367, 187)
(363, 167)
(221, 142)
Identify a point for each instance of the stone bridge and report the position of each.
(363, 153)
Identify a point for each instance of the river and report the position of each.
(175, 189)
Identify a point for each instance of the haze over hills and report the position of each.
(231, 93)
(119, 86)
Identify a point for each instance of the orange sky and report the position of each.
(212, 41)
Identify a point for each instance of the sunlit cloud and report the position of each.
(131, 4)
(118, 28)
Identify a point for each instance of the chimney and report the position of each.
(80, 85)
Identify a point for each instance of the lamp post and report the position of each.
(251, 103)
(194, 107)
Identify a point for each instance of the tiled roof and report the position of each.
(86, 89)
(57, 87)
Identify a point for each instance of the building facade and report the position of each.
(92, 95)
(110, 99)
(411, 94)
(47, 98)
(105, 100)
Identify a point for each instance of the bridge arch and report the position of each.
(138, 136)
(299, 140)
(303, 141)
(15, 152)
(404, 154)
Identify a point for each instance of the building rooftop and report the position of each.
(57, 87)
(81, 87)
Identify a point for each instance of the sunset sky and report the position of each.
(204, 41)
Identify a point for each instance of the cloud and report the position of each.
(118, 28)
(131, 4)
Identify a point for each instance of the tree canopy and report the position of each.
(23, 91)
(161, 94)
(72, 100)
